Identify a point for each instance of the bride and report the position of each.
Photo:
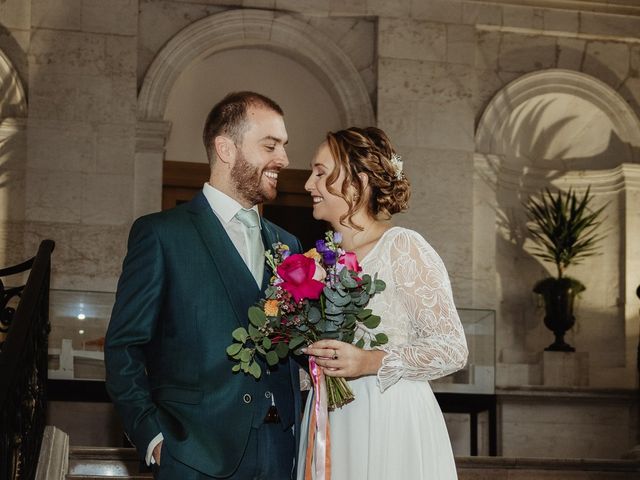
(394, 428)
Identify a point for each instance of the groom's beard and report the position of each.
(248, 181)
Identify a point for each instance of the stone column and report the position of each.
(151, 137)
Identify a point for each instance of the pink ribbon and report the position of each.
(318, 453)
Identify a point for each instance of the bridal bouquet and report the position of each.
(316, 295)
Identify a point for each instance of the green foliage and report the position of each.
(335, 316)
(563, 227)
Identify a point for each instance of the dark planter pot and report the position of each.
(559, 295)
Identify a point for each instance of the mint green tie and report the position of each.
(251, 222)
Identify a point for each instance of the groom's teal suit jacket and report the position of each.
(184, 288)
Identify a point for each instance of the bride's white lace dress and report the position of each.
(394, 428)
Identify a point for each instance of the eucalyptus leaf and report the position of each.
(360, 343)
(257, 316)
(282, 349)
(266, 343)
(233, 349)
(381, 338)
(245, 355)
(295, 342)
(254, 333)
(255, 370)
(240, 334)
(235, 368)
(371, 322)
(272, 358)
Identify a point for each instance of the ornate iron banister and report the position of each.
(24, 332)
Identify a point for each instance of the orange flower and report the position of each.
(313, 253)
(271, 308)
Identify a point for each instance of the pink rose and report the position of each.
(350, 260)
(297, 274)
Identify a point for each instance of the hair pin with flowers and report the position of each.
(396, 161)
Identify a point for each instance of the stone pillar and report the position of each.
(81, 137)
(151, 137)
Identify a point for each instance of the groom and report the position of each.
(188, 279)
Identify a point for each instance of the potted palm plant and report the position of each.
(562, 227)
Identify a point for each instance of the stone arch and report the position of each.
(13, 101)
(498, 117)
(514, 124)
(257, 28)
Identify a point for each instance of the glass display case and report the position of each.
(478, 376)
(78, 325)
(79, 322)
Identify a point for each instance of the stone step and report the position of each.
(89, 463)
(94, 463)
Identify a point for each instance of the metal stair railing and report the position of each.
(24, 333)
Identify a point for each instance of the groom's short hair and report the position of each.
(229, 117)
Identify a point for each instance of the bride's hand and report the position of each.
(340, 359)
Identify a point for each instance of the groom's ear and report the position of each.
(225, 149)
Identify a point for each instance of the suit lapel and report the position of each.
(237, 280)
(269, 237)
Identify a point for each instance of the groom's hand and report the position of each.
(156, 453)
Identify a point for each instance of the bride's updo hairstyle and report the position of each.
(369, 151)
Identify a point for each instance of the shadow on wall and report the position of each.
(538, 149)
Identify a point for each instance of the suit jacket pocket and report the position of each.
(191, 396)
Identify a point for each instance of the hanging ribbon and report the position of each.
(318, 457)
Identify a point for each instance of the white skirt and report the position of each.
(400, 434)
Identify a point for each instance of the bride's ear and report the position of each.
(364, 180)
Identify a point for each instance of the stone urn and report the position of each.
(559, 296)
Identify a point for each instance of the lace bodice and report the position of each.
(426, 339)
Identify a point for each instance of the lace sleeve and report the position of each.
(436, 343)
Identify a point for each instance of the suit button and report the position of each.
(267, 394)
(246, 398)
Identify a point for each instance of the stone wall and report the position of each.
(84, 158)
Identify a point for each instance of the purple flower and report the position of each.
(329, 257)
(321, 246)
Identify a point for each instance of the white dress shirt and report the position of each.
(225, 208)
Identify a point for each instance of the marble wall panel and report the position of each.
(601, 24)
(12, 201)
(437, 83)
(461, 44)
(16, 14)
(107, 199)
(413, 40)
(571, 429)
(356, 38)
(58, 14)
(445, 11)
(12, 250)
(353, 7)
(607, 61)
(54, 196)
(159, 21)
(525, 53)
(518, 16)
(80, 98)
(86, 258)
(487, 50)
(62, 147)
(117, 17)
(561, 21)
(115, 149)
(384, 8)
(571, 53)
(68, 53)
(477, 14)
(434, 205)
